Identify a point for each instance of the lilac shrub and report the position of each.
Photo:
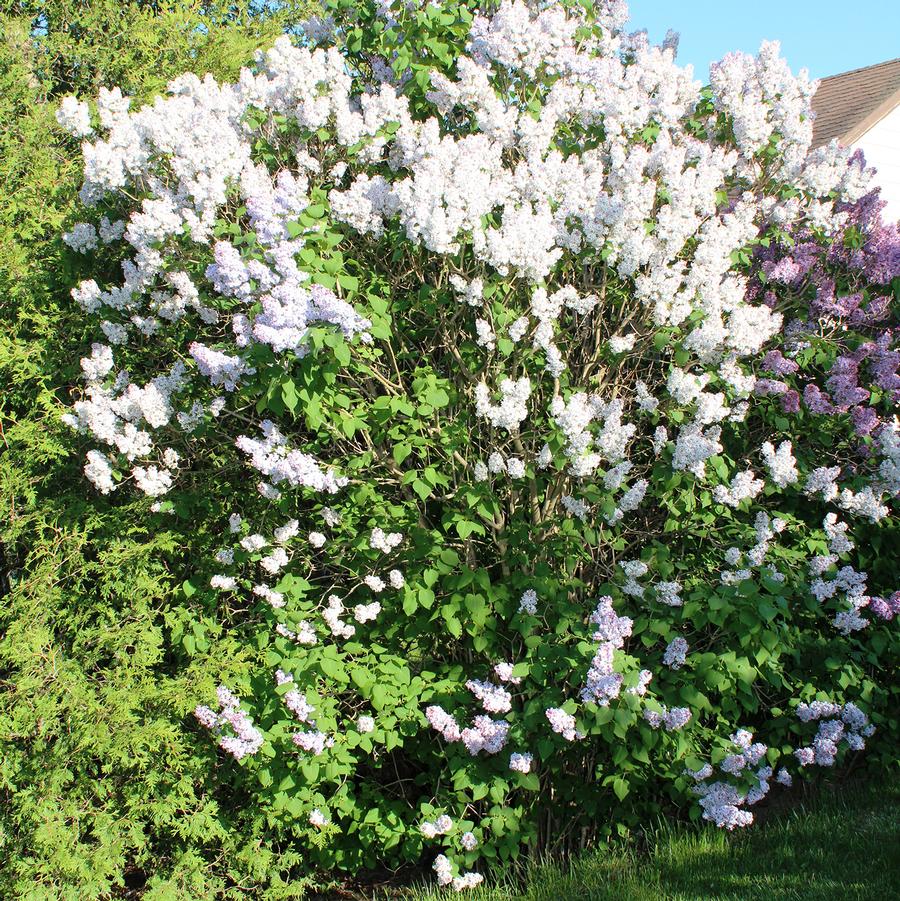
(557, 396)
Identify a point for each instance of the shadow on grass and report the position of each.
(842, 844)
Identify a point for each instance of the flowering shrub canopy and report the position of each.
(564, 389)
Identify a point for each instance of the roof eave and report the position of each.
(888, 105)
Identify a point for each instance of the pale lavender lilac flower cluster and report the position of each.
(241, 738)
(838, 723)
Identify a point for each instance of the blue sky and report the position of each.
(824, 36)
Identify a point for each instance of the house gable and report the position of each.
(849, 104)
(881, 146)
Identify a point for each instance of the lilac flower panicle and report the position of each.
(485, 735)
(241, 738)
(521, 763)
(676, 653)
(494, 698)
(562, 723)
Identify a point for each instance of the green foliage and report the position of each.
(79, 47)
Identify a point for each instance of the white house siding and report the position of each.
(881, 145)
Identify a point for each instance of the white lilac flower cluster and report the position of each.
(196, 134)
(639, 689)
(294, 700)
(75, 117)
(305, 634)
(748, 755)
(496, 465)
(676, 653)
(765, 530)
(272, 563)
(241, 738)
(272, 457)
(586, 451)
(576, 507)
(441, 826)
(317, 819)
(310, 740)
(743, 486)
(222, 583)
(694, 446)
(384, 542)
(443, 868)
(124, 416)
(781, 463)
(364, 613)
(520, 763)
(563, 723)
(827, 581)
(313, 741)
(469, 841)
(484, 734)
(634, 570)
(672, 719)
(332, 615)
(528, 602)
(493, 698)
(504, 672)
(512, 410)
(365, 724)
(668, 593)
(822, 482)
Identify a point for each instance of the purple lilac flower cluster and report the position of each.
(886, 608)
(822, 283)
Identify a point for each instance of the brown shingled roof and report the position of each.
(849, 104)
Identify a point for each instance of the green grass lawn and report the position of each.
(842, 843)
